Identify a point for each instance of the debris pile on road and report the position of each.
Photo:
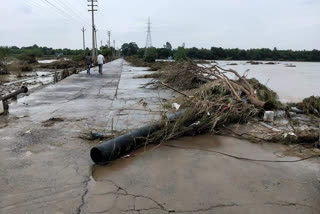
(214, 98)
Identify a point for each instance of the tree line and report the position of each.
(218, 53)
(214, 53)
(38, 51)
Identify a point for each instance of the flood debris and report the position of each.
(5, 99)
(62, 64)
(95, 135)
(155, 66)
(290, 65)
(254, 63)
(214, 98)
(3, 69)
(20, 66)
(91, 136)
(311, 105)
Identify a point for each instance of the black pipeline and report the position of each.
(5, 99)
(115, 148)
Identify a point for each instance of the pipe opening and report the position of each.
(96, 156)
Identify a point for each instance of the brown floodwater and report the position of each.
(187, 174)
(292, 84)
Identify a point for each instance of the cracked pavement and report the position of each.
(48, 169)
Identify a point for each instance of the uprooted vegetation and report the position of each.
(213, 98)
(311, 106)
(155, 66)
(63, 64)
(20, 66)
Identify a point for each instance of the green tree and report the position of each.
(151, 55)
(141, 52)
(129, 49)
(180, 54)
(164, 53)
(168, 46)
(4, 52)
(106, 52)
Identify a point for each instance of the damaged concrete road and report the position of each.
(46, 168)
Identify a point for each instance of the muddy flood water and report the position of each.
(188, 176)
(292, 84)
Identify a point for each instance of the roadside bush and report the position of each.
(20, 67)
(30, 56)
(140, 52)
(3, 69)
(78, 58)
(151, 55)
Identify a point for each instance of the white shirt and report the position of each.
(100, 59)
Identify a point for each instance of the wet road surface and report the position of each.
(46, 168)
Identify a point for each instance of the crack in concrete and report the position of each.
(86, 191)
(159, 205)
(139, 210)
(79, 210)
(212, 207)
(289, 204)
(116, 94)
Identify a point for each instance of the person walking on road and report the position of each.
(89, 63)
(100, 62)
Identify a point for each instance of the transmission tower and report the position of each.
(149, 40)
(109, 38)
(92, 8)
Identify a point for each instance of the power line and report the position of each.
(32, 4)
(68, 8)
(92, 9)
(40, 7)
(63, 12)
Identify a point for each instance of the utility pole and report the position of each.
(101, 44)
(149, 41)
(92, 6)
(114, 48)
(109, 40)
(84, 41)
(96, 41)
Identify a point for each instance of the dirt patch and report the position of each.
(52, 121)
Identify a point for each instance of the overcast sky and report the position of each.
(285, 24)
